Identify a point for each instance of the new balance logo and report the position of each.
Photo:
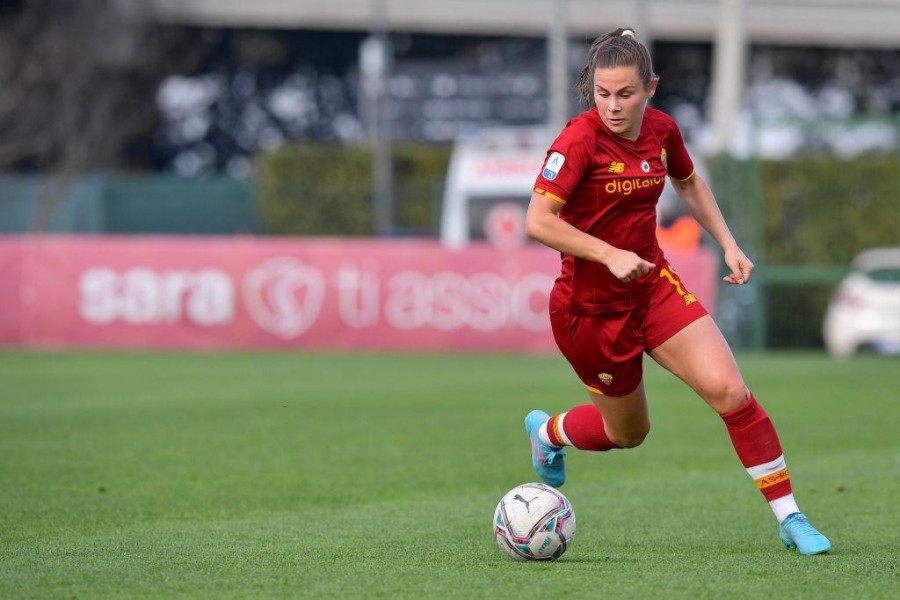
(616, 167)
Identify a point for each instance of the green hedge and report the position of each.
(825, 211)
(807, 212)
(326, 189)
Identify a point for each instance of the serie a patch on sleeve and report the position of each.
(554, 163)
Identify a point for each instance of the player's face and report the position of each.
(621, 97)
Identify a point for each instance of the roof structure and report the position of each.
(860, 23)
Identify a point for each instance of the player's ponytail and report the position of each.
(617, 48)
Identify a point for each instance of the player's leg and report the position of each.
(699, 355)
(604, 424)
(626, 421)
(607, 422)
(605, 353)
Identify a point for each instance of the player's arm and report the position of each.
(543, 224)
(701, 202)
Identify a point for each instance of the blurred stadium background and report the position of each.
(298, 120)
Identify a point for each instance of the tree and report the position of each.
(78, 83)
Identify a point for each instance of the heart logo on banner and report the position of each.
(284, 296)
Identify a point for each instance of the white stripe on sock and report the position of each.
(767, 468)
(784, 506)
(542, 432)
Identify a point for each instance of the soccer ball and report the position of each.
(534, 521)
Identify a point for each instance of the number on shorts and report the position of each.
(689, 298)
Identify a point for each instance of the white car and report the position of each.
(864, 311)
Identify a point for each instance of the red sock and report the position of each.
(758, 448)
(582, 426)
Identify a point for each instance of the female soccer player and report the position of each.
(617, 296)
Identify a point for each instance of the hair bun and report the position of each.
(627, 33)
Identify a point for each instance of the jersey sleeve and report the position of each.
(565, 164)
(679, 164)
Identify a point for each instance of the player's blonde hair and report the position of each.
(617, 48)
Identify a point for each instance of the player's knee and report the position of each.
(631, 438)
(729, 396)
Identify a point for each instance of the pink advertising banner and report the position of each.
(249, 292)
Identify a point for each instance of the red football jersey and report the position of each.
(609, 187)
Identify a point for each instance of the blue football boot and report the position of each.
(796, 532)
(549, 463)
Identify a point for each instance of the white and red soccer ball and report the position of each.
(534, 521)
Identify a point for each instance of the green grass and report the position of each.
(130, 475)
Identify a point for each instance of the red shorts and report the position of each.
(606, 350)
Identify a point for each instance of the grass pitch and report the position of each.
(128, 475)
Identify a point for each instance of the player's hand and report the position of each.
(627, 266)
(741, 266)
